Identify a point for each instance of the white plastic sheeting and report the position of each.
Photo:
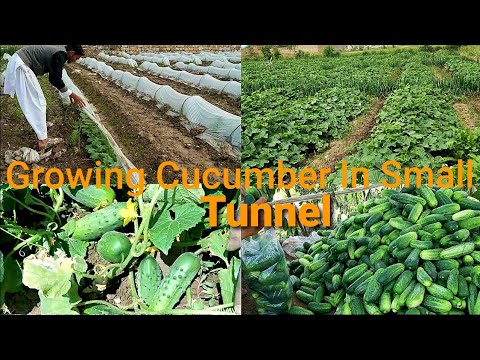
(234, 57)
(226, 65)
(231, 88)
(232, 73)
(177, 57)
(219, 124)
(158, 59)
(118, 60)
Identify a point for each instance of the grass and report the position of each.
(9, 49)
(471, 52)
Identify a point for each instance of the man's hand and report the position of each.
(253, 230)
(77, 100)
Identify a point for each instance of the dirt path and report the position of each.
(222, 101)
(145, 133)
(441, 73)
(338, 149)
(16, 132)
(466, 114)
(475, 102)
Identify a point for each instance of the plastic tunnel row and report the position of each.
(218, 61)
(219, 124)
(230, 73)
(234, 74)
(230, 88)
(163, 60)
(118, 60)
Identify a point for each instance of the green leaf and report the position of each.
(77, 247)
(79, 264)
(56, 306)
(180, 195)
(102, 310)
(216, 243)
(12, 276)
(166, 228)
(50, 276)
(1, 267)
(228, 280)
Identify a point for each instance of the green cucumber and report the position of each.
(437, 305)
(91, 196)
(149, 280)
(297, 310)
(114, 246)
(440, 292)
(469, 224)
(447, 209)
(457, 250)
(423, 277)
(415, 298)
(390, 273)
(415, 213)
(402, 281)
(405, 198)
(94, 225)
(425, 192)
(180, 276)
(319, 308)
(385, 304)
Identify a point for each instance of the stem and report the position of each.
(23, 243)
(143, 228)
(59, 202)
(209, 311)
(101, 302)
(185, 243)
(200, 251)
(49, 216)
(131, 279)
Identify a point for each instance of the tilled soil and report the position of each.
(146, 134)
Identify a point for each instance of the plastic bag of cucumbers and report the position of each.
(415, 251)
(265, 268)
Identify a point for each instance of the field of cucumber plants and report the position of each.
(96, 251)
(420, 108)
(404, 251)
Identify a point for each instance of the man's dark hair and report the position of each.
(77, 48)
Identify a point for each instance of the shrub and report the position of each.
(276, 53)
(329, 51)
(267, 52)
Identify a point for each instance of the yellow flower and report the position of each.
(129, 213)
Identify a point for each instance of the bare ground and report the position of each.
(338, 149)
(222, 101)
(466, 115)
(146, 134)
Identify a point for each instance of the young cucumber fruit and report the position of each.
(94, 225)
(149, 280)
(91, 196)
(114, 246)
(180, 276)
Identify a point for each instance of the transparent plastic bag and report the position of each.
(266, 271)
(292, 242)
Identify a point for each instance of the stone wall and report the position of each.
(136, 49)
